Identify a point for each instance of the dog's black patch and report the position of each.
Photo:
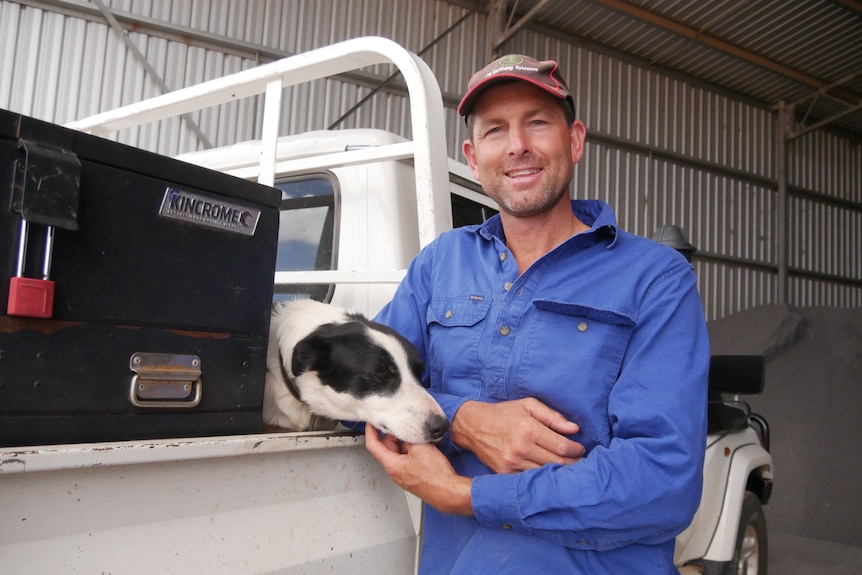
(414, 360)
(347, 360)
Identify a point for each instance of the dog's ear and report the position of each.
(310, 354)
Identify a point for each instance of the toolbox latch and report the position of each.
(47, 186)
(165, 380)
(45, 192)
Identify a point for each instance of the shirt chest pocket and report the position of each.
(455, 326)
(573, 358)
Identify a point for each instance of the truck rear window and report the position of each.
(466, 212)
(306, 233)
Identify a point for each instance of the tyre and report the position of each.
(751, 554)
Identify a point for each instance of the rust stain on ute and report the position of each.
(199, 334)
(10, 324)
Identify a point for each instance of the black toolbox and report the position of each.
(162, 279)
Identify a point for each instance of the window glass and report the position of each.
(466, 212)
(306, 233)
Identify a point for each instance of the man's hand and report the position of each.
(423, 470)
(513, 436)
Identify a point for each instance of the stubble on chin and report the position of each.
(528, 203)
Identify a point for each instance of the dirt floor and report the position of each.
(812, 400)
(792, 555)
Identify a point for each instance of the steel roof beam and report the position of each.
(510, 30)
(846, 96)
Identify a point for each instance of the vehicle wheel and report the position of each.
(750, 557)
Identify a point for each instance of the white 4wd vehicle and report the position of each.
(728, 533)
(357, 206)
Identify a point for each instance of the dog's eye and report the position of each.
(385, 370)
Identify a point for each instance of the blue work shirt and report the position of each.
(607, 329)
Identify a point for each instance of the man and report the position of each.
(570, 356)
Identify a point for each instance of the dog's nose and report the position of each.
(436, 426)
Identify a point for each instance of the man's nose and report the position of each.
(518, 141)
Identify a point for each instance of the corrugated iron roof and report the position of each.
(807, 53)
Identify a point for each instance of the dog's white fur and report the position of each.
(403, 414)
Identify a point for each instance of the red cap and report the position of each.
(544, 74)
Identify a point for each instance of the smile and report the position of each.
(524, 172)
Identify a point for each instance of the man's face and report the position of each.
(522, 150)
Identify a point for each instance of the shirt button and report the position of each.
(582, 327)
(449, 314)
(506, 526)
(504, 256)
(504, 330)
(507, 286)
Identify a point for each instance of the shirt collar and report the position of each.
(595, 213)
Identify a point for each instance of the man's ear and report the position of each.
(577, 135)
(469, 151)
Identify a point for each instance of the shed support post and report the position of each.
(783, 135)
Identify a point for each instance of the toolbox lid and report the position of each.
(96, 149)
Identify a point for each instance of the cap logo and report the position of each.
(512, 64)
(512, 60)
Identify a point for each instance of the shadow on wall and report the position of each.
(812, 400)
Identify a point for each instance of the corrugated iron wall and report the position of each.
(825, 239)
(660, 150)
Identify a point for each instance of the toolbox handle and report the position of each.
(165, 380)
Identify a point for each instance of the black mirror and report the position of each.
(737, 374)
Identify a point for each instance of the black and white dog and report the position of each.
(323, 361)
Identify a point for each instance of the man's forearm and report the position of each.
(422, 470)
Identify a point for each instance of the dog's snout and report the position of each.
(436, 426)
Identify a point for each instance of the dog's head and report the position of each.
(359, 370)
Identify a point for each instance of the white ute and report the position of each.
(357, 206)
